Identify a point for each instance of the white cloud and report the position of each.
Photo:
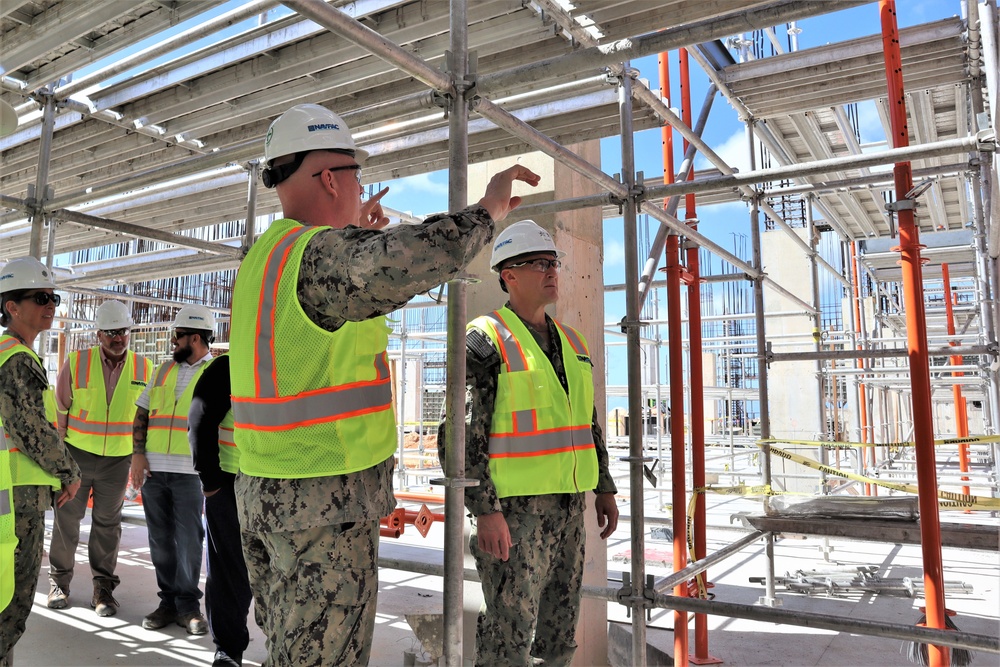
(614, 253)
(733, 150)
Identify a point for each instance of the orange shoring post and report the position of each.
(860, 363)
(675, 353)
(916, 335)
(701, 656)
(961, 416)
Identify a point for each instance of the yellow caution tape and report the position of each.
(833, 444)
(946, 498)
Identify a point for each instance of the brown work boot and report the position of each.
(104, 602)
(58, 597)
(159, 619)
(194, 623)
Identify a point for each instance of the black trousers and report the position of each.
(227, 588)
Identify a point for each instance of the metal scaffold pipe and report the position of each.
(454, 504)
(984, 141)
(634, 374)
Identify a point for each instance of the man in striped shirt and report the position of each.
(161, 465)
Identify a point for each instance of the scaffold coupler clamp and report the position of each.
(454, 482)
(768, 353)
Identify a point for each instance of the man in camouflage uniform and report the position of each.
(31, 435)
(311, 537)
(528, 537)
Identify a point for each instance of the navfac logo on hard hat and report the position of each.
(196, 317)
(6, 276)
(503, 243)
(324, 126)
(270, 133)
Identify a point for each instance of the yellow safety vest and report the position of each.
(229, 455)
(8, 538)
(168, 416)
(307, 402)
(93, 425)
(23, 470)
(540, 438)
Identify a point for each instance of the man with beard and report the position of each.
(161, 466)
(96, 392)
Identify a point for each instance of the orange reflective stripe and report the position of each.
(161, 377)
(312, 407)
(226, 437)
(539, 443)
(574, 340)
(13, 342)
(382, 365)
(265, 370)
(511, 350)
(525, 421)
(81, 425)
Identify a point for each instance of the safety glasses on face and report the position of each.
(177, 335)
(114, 333)
(42, 298)
(541, 265)
(343, 168)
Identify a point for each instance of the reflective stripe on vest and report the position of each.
(23, 469)
(306, 402)
(93, 424)
(229, 454)
(541, 438)
(168, 413)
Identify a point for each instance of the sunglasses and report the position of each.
(343, 168)
(114, 333)
(43, 298)
(178, 335)
(540, 265)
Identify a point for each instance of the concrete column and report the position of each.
(581, 305)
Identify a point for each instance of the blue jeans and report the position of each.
(172, 503)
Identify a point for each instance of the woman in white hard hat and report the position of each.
(39, 465)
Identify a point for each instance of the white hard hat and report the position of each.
(521, 238)
(113, 315)
(195, 317)
(308, 127)
(25, 273)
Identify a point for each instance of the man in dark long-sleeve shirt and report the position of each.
(227, 588)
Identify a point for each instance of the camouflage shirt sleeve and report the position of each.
(355, 274)
(22, 387)
(480, 393)
(605, 483)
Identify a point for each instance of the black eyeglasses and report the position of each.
(346, 166)
(113, 333)
(541, 265)
(178, 335)
(43, 298)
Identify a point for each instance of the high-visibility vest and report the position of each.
(93, 425)
(540, 437)
(229, 455)
(307, 402)
(23, 470)
(168, 416)
(8, 538)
